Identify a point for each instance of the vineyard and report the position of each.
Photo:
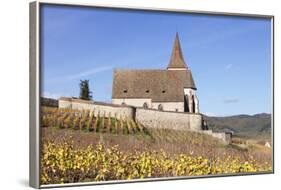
(86, 120)
(78, 146)
(61, 163)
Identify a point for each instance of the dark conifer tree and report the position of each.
(85, 92)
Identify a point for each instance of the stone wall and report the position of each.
(167, 119)
(136, 102)
(224, 137)
(150, 118)
(101, 108)
(169, 106)
(114, 110)
(65, 102)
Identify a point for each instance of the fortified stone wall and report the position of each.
(167, 119)
(150, 118)
(65, 102)
(136, 102)
(101, 108)
(224, 137)
(170, 106)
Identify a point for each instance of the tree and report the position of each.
(85, 92)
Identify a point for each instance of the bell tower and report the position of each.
(177, 63)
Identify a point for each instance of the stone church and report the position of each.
(171, 89)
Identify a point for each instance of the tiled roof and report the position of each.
(177, 60)
(159, 85)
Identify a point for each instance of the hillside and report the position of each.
(80, 147)
(254, 126)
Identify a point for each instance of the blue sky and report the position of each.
(230, 57)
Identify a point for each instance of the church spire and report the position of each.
(177, 60)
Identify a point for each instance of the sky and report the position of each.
(229, 57)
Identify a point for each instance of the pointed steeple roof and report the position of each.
(177, 60)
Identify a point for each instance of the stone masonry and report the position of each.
(150, 118)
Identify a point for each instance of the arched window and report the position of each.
(160, 107)
(145, 105)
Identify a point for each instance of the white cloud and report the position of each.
(89, 72)
(78, 75)
(233, 100)
(228, 66)
(228, 33)
(210, 114)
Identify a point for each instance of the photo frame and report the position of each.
(146, 96)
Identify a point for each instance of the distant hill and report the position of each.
(253, 126)
(50, 102)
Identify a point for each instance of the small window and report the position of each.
(145, 105)
(147, 91)
(163, 91)
(177, 110)
(125, 91)
(160, 107)
(123, 104)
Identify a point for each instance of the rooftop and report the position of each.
(164, 85)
